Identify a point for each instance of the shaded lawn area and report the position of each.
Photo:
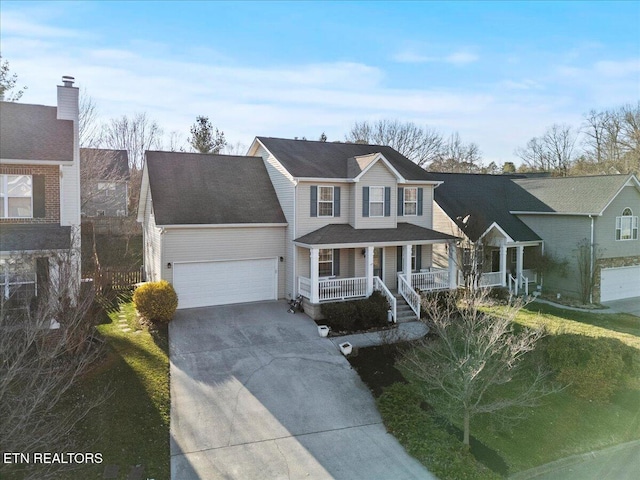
(131, 427)
(561, 426)
(112, 252)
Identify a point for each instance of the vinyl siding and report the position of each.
(605, 226)
(426, 219)
(442, 223)
(152, 246)
(285, 191)
(212, 244)
(561, 235)
(378, 176)
(305, 223)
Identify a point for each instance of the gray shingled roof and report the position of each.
(32, 132)
(193, 188)
(305, 158)
(585, 195)
(117, 160)
(346, 234)
(486, 199)
(20, 237)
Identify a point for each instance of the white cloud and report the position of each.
(461, 58)
(458, 58)
(618, 68)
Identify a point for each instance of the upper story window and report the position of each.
(16, 193)
(627, 226)
(325, 201)
(376, 201)
(410, 201)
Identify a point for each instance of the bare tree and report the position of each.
(422, 145)
(88, 125)
(586, 257)
(457, 157)
(46, 345)
(203, 137)
(8, 83)
(474, 355)
(237, 148)
(554, 151)
(176, 142)
(100, 176)
(136, 135)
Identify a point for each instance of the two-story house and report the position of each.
(104, 185)
(39, 194)
(334, 221)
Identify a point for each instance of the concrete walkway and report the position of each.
(575, 309)
(257, 394)
(620, 462)
(403, 333)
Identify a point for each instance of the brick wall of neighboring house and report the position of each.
(51, 187)
(610, 263)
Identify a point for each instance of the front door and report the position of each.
(378, 262)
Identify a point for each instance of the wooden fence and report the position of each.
(118, 278)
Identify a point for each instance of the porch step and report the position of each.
(403, 310)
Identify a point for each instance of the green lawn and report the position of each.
(132, 426)
(563, 424)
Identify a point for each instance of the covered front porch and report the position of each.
(386, 260)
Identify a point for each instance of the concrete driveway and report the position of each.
(628, 305)
(257, 394)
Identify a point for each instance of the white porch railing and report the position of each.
(530, 275)
(525, 284)
(409, 294)
(436, 279)
(382, 288)
(513, 284)
(491, 279)
(342, 288)
(304, 287)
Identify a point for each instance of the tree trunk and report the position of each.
(466, 428)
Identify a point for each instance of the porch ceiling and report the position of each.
(347, 236)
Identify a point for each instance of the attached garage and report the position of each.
(200, 284)
(619, 283)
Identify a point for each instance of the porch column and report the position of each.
(406, 269)
(314, 257)
(369, 270)
(519, 261)
(503, 265)
(453, 273)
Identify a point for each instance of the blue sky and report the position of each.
(498, 73)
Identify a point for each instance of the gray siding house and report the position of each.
(105, 179)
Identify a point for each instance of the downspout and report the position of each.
(294, 255)
(591, 261)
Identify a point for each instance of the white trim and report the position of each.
(5, 199)
(14, 161)
(517, 212)
(223, 225)
(377, 201)
(405, 201)
(379, 156)
(318, 201)
(144, 192)
(368, 243)
(421, 182)
(284, 170)
(326, 261)
(323, 180)
(500, 229)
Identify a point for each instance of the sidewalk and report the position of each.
(620, 462)
(404, 332)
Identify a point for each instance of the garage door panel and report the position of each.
(221, 283)
(619, 283)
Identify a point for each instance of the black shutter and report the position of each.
(418, 257)
(387, 201)
(336, 201)
(399, 266)
(336, 262)
(419, 201)
(400, 201)
(38, 196)
(365, 201)
(314, 201)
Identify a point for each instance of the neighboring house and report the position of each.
(477, 208)
(359, 218)
(105, 178)
(39, 193)
(213, 227)
(556, 213)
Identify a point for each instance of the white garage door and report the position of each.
(617, 283)
(220, 283)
